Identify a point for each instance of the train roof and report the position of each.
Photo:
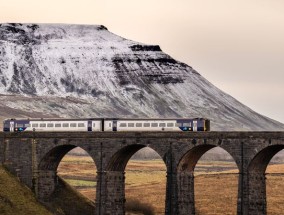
(108, 118)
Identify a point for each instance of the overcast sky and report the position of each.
(238, 45)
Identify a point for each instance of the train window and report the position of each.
(154, 124)
(35, 125)
(123, 124)
(83, 125)
(162, 125)
(186, 124)
(27, 125)
(73, 125)
(178, 124)
(109, 125)
(170, 124)
(65, 125)
(57, 125)
(146, 124)
(94, 124)
(20, 125)
(130, 124)
(50, 125)
(42, 125)
(139, 124)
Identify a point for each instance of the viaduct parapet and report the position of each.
(34, 158)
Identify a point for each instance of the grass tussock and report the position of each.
(134, 206)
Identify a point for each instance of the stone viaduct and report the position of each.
(34, 157)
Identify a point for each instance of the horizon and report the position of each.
(237, 46)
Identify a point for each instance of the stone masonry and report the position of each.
(34, 158)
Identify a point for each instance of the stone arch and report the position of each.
(60, 147)
(47, 178)
(257, 179)
(119, 159)
(261, 160)
(185, 175)
(52, 158)
(189, 160)
(113, 178)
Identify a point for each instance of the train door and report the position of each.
(109, 125)
(114, 128)
(103, 125)
(194, 125)
(89, 125)
(12, 126)
(207, 125)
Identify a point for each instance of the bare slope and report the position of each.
(87, 71)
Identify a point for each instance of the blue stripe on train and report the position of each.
(21, 129)
(185, 128)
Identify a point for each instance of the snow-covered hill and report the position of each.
(60, 70)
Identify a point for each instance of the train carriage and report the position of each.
(106, 124)
(20, 125)
(196, 124)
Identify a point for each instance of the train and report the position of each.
(105, 124)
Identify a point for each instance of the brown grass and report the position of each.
(146, 181)
(216, 194)
(135, 206)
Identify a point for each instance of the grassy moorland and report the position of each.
(215, 184)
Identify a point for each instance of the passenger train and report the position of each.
(105, 124)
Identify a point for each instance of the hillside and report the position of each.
(87, 71)
(16, 198)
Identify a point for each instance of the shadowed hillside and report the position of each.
(16, 198)
(67, 201)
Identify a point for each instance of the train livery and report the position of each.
(105, 124)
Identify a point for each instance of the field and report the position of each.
(215, 184)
